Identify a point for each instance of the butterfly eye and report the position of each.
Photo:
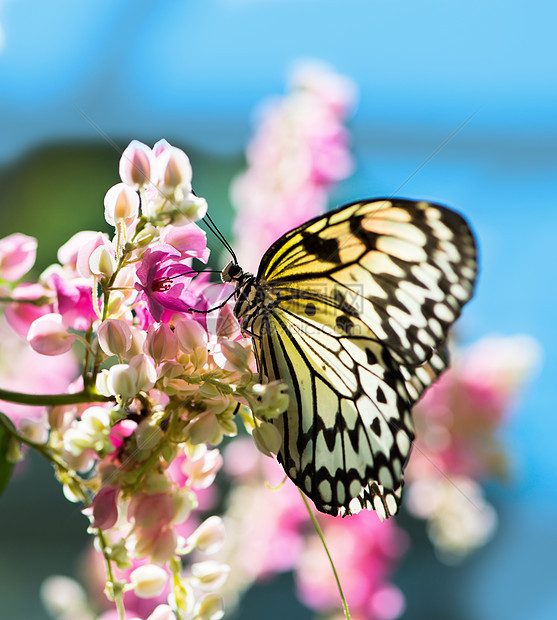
(232, 271)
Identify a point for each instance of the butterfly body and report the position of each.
(351, 311)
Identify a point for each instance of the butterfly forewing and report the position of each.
(352, 312)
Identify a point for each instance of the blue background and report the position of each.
(194, 71)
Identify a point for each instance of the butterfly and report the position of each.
(351, 311)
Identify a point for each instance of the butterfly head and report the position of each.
(233, 273)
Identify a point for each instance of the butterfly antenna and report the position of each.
(214, 229)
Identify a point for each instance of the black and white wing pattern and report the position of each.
(351, 310)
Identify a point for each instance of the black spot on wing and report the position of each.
(371, 359)
(344, 323)
(324, 249)
(381, 398)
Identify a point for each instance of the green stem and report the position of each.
(38, 400)
(322, 538)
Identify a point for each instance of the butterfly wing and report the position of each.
(357, 307)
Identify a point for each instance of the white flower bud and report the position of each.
(148, 581)
(101, 383)
(89, 433)
(184, 501)
(209, 608)
(63, 596)
(34, 430)
(204, 428)
(102, 262)
(122, 381)
(146, 373)
(267, 438)
(188, 209)
(135, 164)
(174, 169)
(162, 612)
(148, 434)
(121, 203)
(209, 536)
(233, 355)
(210, 575)
(115, 336)
(191, 335)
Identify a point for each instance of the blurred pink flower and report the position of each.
(365, 552)
(20, 315)
(299, 150)
(22, 369)
(17, 256)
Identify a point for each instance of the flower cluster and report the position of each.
(457, 447)
(300, 150)
(135, 436)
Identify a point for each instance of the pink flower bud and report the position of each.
(136, 164)
(151, 512)
(159, 547)
(105, 508)
(121, 204)
(48, 336)
(115, 336)
(17, 256)
(161, 343)
(148, 581)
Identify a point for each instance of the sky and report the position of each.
(457, 102)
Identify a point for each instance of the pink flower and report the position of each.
(189, 240)
(17, 256)
(48, 336)
(300, 149)
(164, 282)
(73, 301)
(68, 253)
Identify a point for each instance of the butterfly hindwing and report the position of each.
(346, 424)
(351, 310)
